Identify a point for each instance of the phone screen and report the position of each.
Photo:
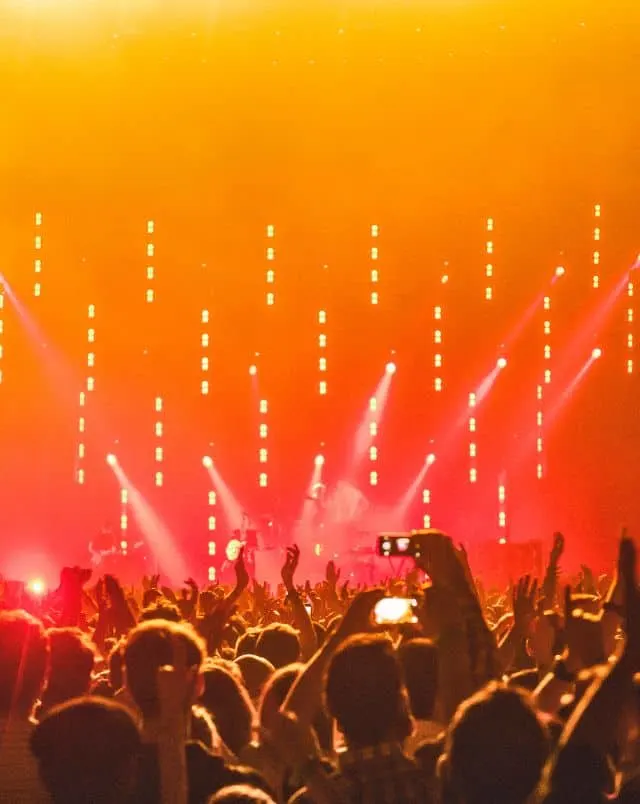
(395, 611)
(395, 544)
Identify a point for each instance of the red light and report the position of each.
(597, 353)
(207, 462)
(112, 460)
(560, 270)
(431, 459)
(253, 370)
(319, 460)
(391, 368)
(502, 362)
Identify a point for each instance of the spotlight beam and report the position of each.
(156, 533)
(231, 507)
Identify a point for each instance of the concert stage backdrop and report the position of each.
(223, 226)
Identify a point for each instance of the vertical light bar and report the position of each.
(595, 258)
(502, 510)
(426, 505)
(37, 261)
(212, 501)
(88, 388)
(124, 515)
(263, 451)
(631, 315)
(539, 431)
(212, 545)
(150, 293)
(374, 254)
(473, 444)
(547, 331)
(489, 266)
(158, 441)
(438, 315)
(373, 447)
(271, 272)
(205, 363)
(322, 348)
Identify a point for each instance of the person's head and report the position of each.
(275, 693)
(229, 703)
(280, 644)
(256, 671)
(365, 693)
(86, 751)
(496, 749)
(580, 776)
(246, 642)
(149, 647)
(207, 602)
(71, 663)
(24, 656)
(162, 609)
(241, 794)
(151, 596)
(419, 661)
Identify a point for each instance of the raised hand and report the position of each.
(358, 617)
(260, 595)
(558, 546)
(242, 576)
(627, 573)
(332, 575)
(113, 590)
(290, 567)
(344, 592)
(524, 604)
(175, 683)
(442, 563)
(583, 635)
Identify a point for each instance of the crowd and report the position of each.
(110, 695)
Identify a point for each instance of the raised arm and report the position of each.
(301, 618)
(597, 717)
(305, 699)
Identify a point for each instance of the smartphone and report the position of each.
(309, 608)
(396, 544)
(395, 611)
(410, 545)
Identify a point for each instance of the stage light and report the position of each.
(37, 587)
(597, 353)
(111, 459)
(391, 368)
(124, 544)
(319, 460)
(502, 362)
(253, 370)
(445, 279)
(431, 459)
(207, 462)
(560, 271)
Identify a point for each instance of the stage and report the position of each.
(383, 259)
